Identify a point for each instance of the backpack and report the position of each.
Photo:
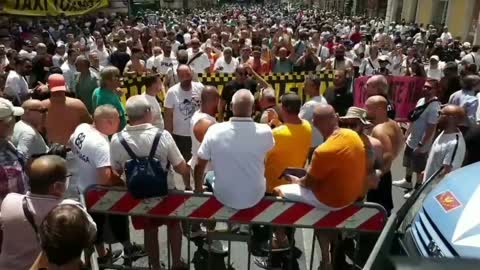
(145, 176)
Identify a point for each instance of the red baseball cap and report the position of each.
(56, 83)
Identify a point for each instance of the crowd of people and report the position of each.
(63, 126)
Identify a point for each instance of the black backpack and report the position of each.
(145, 176)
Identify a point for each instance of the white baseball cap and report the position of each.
(7, 109)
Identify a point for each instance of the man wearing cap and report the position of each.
(12, 162)
(356, 120)
(26, 133)
(384, 64)
(434, 69)
(65, 113)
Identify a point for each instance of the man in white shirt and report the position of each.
(139, 135)
(197, 59)
(236, 150)
(182, 100)
(26, 136)
(154, 86)
(226, 63)
(312, 89)
(166, 60)
(473, 57)
(150, 64)
(445, 36)
(69, 70)
(102, 52)
(448, 149)
(92, 166)
(16, 86)
(60, 54)
(435, 69)
(370, 64)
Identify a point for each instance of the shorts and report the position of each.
(383, 194)
(301, 194)
(414, 161)
(142, 223)
(184, 144)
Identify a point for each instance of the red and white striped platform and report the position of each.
(366, 217)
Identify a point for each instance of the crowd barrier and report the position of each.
(281, 82)
(190, 207)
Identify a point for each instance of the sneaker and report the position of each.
(134, 252)
(217, 247)
(403, 184)
(408, 194)
(110, 258)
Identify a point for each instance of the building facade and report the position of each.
(460, 16)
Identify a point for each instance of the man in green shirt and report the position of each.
(85, 82)
(107, 92)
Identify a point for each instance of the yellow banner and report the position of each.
(52, 7)
(282, 83)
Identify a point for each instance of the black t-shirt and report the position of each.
(119, 59)
(231, 88)
(340, 99)
(472, 143)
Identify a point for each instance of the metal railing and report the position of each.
(189, 208)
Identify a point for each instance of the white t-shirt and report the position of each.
(150, 63)
(447, 149)
(91, 151)
(28, 140)
(163, 63)
(69, 72)
(184, 104)
(306, 113)
(222, 66)
(197, 116)
(200, 63)
(472, 58)
(369, 66)
(16, 86)
(58, 60)
(156, 109)
(436, 73)
(236, 150)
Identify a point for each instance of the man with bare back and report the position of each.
(390, 135)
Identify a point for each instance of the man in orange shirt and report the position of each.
(259, 65)
(336, 177)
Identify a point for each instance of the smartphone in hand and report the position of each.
(298, 172)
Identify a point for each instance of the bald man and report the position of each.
(378, 85)
(236, 151)
(203, 119)
(181, 102)
(448, 149)
(390, 135)
(336, 177)
(48, 181)
(27, 132)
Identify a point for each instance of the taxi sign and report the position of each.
(448, 201)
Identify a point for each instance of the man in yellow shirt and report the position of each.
(292, 143)
(336, 177)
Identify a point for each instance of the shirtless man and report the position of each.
(378, 85)
(355, 119)
(390, 135)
